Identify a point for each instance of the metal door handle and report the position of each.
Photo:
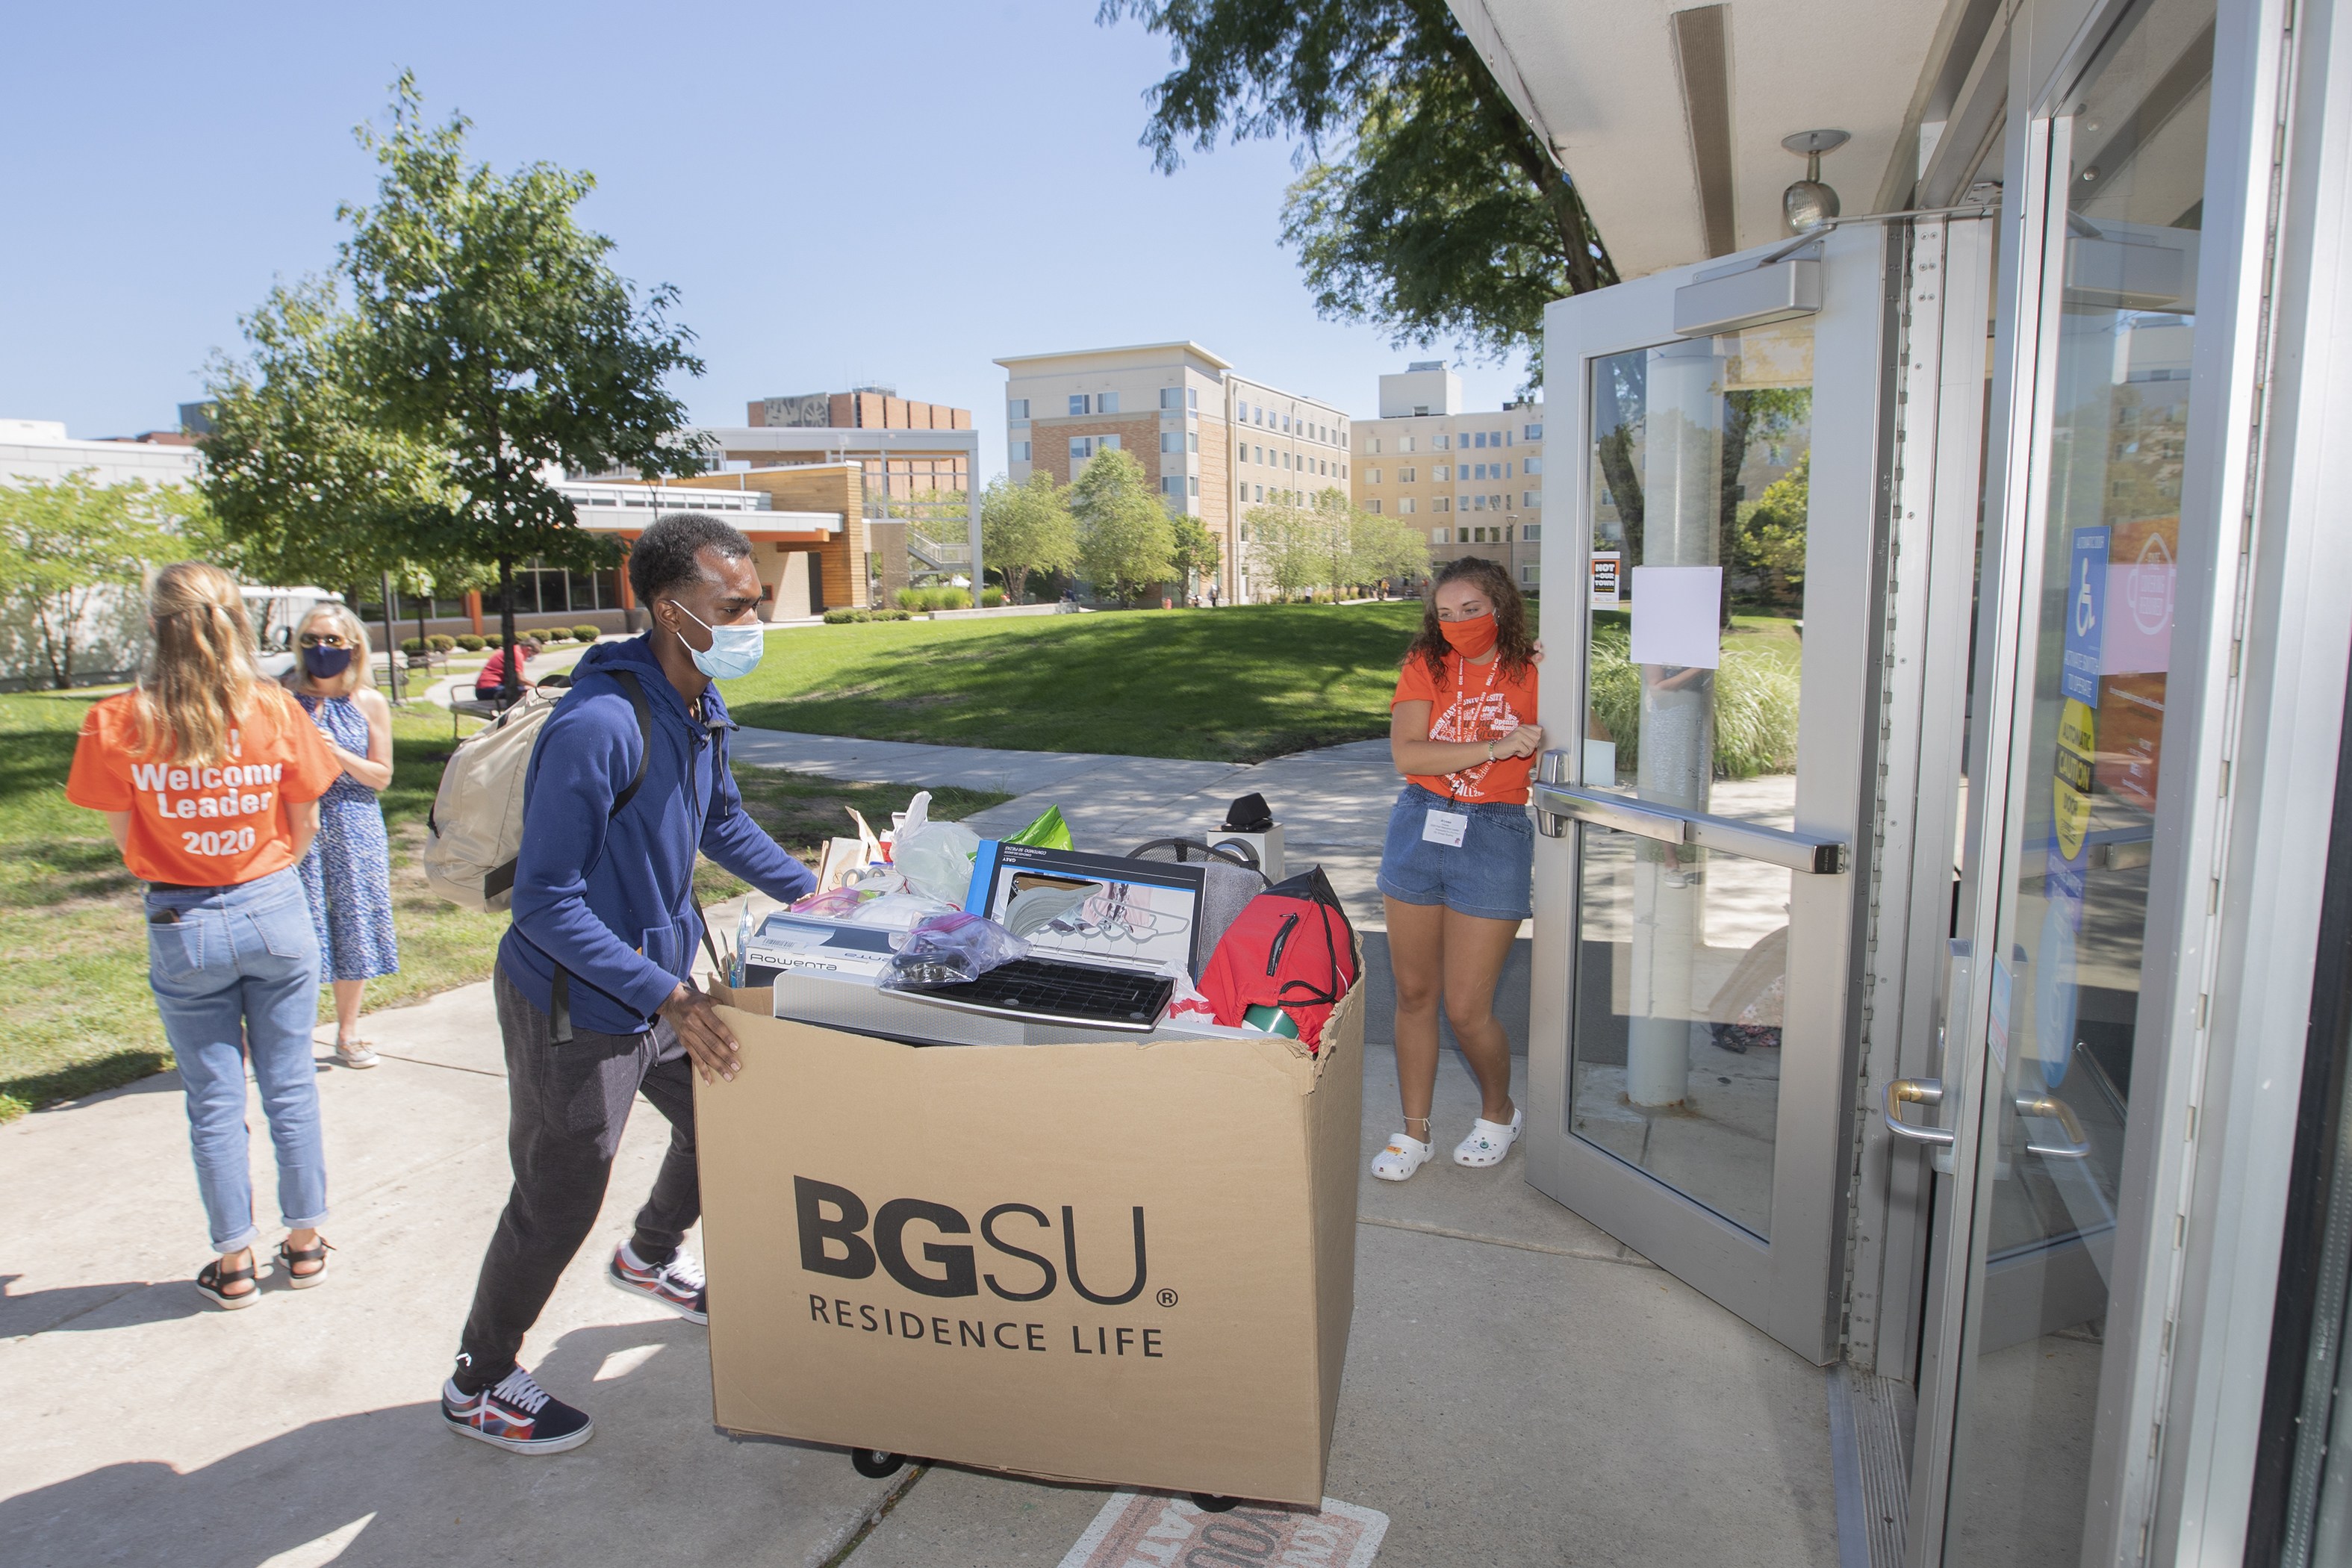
(2058, 1110)
(1926, 1092)
(1556, 804)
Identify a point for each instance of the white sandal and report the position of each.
(1403, 1156)
(1489, 1140)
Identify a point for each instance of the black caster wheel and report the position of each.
(876, 1463)
(1209, 1502)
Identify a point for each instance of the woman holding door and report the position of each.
(1457, 869)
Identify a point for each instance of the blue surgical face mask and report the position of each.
(325, 663)
(734, 651)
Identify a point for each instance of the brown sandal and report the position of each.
(213, 1283)
(287, 1257)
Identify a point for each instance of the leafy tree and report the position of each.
(497, 334)
(1197, 555)
(1126, 543)
(65, 543)
(1289, 546)
(1430, 208)
(1026, 528)
(302, 480)
(1772, 536)
(1388, 547)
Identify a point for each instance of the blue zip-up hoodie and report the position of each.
(611, 896)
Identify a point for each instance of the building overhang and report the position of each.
(1669, 117)
(1041, 365)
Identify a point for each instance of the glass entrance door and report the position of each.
(2033, 1249)
(1712, 612)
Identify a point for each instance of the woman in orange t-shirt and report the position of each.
(210, 779)
(1457, 869)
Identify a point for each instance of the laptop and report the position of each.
(1101, 931)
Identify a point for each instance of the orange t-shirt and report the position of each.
(212, 826)
(1473, 703)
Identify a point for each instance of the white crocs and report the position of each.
(1403, 1156)
(1488, 1141)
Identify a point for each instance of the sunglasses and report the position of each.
(325, 639)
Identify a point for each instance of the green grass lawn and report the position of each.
(75, 1012)
(1240, 684)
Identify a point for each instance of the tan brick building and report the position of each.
(1213, 442)
(1474, 480)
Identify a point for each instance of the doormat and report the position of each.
(1152, 1530)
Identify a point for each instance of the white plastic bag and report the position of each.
(934, 857)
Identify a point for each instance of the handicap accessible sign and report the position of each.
(2086, 614)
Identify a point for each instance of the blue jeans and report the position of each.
(236, 970)
(1490, 873)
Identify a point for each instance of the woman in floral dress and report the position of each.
(348, 872)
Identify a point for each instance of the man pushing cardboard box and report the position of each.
(1125, 1261)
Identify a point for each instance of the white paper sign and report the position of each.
(1677, 616)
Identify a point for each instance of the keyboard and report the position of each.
(1053, 991)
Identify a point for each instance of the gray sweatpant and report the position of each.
(567, 1106)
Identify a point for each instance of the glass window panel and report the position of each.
(2088, 732)
(1682, 953)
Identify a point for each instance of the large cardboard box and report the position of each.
(1116, 1262)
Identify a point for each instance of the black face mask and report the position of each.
(325, 663)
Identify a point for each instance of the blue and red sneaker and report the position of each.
(516, 1415)
(676, 1284)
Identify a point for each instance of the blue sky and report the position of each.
(869, 193)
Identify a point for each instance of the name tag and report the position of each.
(1446, 827)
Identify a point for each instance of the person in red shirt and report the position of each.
(210, 778)
(492, 677)
(1458, 865)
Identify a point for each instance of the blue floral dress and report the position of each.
(348, 872)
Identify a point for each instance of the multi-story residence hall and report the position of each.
(1214, 442)
(1474, 480)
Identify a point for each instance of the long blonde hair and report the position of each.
(200, 682)
(355, 632)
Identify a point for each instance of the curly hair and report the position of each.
(664, 555)
(1511, 635)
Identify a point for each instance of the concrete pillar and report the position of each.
(1682, 478)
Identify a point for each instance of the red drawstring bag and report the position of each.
(1290, 956)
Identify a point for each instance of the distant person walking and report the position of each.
(348, 872)
(210, 778)
(1457, 869)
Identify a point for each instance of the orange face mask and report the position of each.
(1471, 639)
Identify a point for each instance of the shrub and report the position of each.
(912, 599)
(888, 615)
(441, 642)
(469, 642)
(951, 598)
(990, 598)
(412, 645)
(537, 638)
(843, 617)
(1755, 707)
(587, 634)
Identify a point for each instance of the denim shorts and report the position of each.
(1490, 873)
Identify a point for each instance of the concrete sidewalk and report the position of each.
(1521, 1388)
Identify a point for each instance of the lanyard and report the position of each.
(1454, 783)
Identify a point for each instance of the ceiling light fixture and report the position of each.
(1807, 204)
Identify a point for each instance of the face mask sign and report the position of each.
(734, 651)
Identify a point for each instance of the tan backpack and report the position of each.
(474, 833)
